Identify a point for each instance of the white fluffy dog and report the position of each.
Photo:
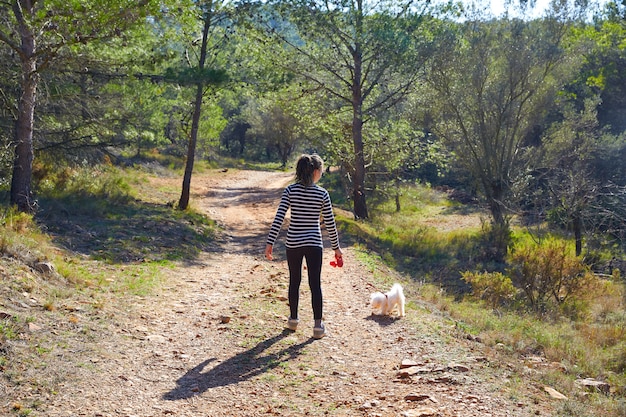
(385, 304)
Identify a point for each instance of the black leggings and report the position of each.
(313, 257)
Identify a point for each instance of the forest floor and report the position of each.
(211, 340)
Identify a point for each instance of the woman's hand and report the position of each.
(268, 252)
(338, 258)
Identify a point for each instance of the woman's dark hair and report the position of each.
(305, 167)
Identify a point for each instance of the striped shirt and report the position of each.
(307, 205)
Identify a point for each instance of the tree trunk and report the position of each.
(21, 194)
(500, 231)
(578, 233)
(358, 185)
(183, 203)
(496, 210)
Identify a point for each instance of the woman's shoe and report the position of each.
(292, 324)
(319, 332)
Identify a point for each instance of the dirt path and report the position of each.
(212, 343)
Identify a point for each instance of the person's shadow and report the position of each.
(240, 367)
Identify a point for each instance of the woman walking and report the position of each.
(308, 202)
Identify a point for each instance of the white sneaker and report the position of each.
(292, 324)
(319, 332)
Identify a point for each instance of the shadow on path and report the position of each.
(241, 367)
(382, 320)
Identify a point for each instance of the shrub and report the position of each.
(494, 287)
(550, 274)
(496, 240)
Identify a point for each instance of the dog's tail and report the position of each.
(397, 288)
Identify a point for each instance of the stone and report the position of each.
(456, 367)
(32, 327)
(420, 412)
(156, 338)
(407, 363)
(593, 385)
(419, 398)
(554, 393)
(44, 267)
(413, 370)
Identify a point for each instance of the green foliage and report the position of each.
(22, 240)
(196, 76)
(20, 237)
(495, 240)
(9, 330)
(211, 124)
(423, 237)
(6, 159)
(581, 185)
(16, 221)
(400, 153)
(581, 323)
(360, 59)
(492, 82)
(601, 72)
(593, 347)
(275, 122)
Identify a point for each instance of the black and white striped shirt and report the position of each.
(307, 205)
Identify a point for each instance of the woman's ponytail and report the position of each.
(305, 167)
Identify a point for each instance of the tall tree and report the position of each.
(37, 32)
(569, 149)
(197, 110)
(364, 55)
(581, 163)
(494, 81)
(211, 14)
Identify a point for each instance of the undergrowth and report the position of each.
(411, 242)
(583, 327)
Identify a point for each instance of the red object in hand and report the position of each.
(338, 262)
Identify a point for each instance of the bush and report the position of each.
(550, 275)
(496, 240)
(20, 237)
(494, 287)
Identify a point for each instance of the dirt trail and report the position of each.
(212, 343)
